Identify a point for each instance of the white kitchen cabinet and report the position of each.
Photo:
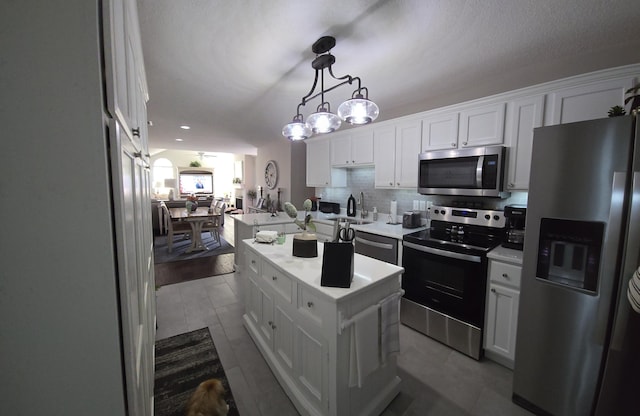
(482, 126)
(352, 148)
(319, 170)
(408, 141)
(440, 132)
(396, 150)
(384, 151)
(523, 115)
(299, 327)
(503, 299)
(586, 102)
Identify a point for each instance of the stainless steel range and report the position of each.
(446, 273)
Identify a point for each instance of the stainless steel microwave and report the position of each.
(475, 171)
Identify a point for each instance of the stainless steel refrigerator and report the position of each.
(578, 342)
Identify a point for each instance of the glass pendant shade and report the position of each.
(323, 121)
(358, 110)
(296, 130)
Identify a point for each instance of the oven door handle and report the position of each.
(444, 253)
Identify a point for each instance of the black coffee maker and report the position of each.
(514, 237)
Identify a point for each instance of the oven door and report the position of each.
(449, 282)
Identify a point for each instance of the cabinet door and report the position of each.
(586, 102)
(362, 147)
(482, 126)
(502, 319)
(283, 338)
(254, 297)
(523, 116)
(440, 132)
(265, 319)
(341, 150)
(318, 163)
(312, 367)
(384, 159)
(408, 141)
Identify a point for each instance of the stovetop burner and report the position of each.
(461, 230)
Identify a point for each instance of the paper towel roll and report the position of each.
(393, 211)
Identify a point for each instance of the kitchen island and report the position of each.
(331, 349)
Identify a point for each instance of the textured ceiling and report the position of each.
(236, 70)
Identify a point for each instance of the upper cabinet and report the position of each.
(586, 102)
(440, 132)
(482, 126)
(352, 149)
(396, 150)
(319, 170)
(476, 126)
(523, 115)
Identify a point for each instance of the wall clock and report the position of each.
(271, 174)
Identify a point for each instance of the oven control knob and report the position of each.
(437, 211)
(460, 231)
(442, 212)
(496, 217)
(487, 217)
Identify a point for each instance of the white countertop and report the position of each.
(367, 271)
(508, 255)
(379, 227)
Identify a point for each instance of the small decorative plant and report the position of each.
(195, 164)
(252, 194)
(616, 111)
(292, 212)
(237, 180)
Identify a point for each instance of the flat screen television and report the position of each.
(196, 182)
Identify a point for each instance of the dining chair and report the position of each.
(214, 225)
(174, 227)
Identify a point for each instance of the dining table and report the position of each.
(196, 220)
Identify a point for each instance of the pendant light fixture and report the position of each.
(357, 110)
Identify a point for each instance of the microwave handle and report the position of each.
(479, 172)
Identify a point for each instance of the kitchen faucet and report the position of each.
(363, 213)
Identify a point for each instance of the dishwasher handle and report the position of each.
(376, 244)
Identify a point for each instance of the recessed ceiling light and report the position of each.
(185, 127)
(179, 140)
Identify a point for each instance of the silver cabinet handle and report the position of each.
(493, 290)
(274, 277)
(506, 276)
(453, 145)
(464, 143)
(310, 304)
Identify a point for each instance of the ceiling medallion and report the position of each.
(356, 111)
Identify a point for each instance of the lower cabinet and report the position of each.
(503, 298)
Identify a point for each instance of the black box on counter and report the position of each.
(337, 265)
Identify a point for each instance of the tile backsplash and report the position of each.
(362, 180)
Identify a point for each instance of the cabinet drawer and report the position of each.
(253, 263)
(311, 305)
(505, 274)
(280, 282)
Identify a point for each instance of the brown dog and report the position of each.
(208, 400)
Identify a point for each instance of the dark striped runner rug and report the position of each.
(182, 363)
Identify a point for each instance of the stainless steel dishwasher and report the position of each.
(377, 246)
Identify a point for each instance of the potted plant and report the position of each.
(252, 194)
(305, 244)
(195, 164)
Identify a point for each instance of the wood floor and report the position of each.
(436, 380)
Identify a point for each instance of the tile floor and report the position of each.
(435, 379)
